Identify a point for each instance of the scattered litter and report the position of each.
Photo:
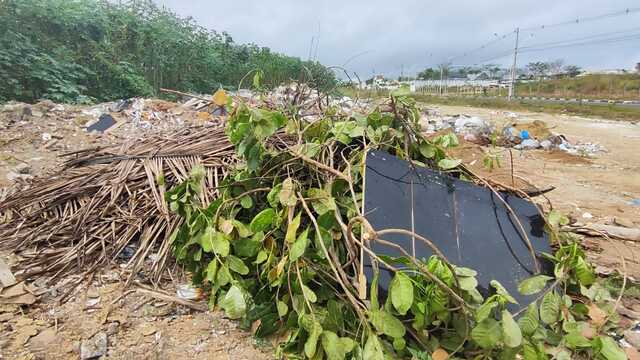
(188, 292)
(6, 276)
(632, 336)
(619, 232)
(528, 144)
(46, 136)
(587, 216)
(105, 121)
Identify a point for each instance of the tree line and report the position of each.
(538, 70)
(97, 50)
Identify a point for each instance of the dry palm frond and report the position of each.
(107, 199)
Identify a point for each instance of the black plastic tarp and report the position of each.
(467, 222)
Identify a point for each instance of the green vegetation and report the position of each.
(622, 87)
(281, 248)
(609, 111)
(97, 50)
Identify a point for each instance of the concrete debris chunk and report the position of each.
(94, 347)
(6, 276)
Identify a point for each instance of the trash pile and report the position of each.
(273, 215)
(520, 136)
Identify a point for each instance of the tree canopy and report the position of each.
(96, 50)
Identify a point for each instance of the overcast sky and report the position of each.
(393, 36)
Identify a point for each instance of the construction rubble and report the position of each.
(513, 134)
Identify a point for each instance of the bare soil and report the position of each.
(595, 189)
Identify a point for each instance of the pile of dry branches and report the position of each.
(108, 198)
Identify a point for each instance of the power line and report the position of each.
(582, 38)
(578, 20)
(599, 41)
(483, 46)
(583, 20)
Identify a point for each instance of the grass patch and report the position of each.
(618, 87)
(609, 111)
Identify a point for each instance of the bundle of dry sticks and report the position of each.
(106, 199)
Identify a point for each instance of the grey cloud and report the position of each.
(412, 34)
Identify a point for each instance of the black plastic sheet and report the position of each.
(468, 223)
(104, 122)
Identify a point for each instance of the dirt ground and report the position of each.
(590, 189)
(597, 189)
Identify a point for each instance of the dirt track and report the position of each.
(603, 186)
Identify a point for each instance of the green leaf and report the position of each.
(468, 283)
(234, 303)
(401, 292)
(374, 291)
(487, 333)
(263, 221)
(261, 257)
(214, 241)
(484, 310)
(298, 247)
(223, 277)
(336, 348)
(206, 239)
(287, 195)
(212, 270)
(555, 219)
(309, 294)
(609, 350)
(237, 265)
(282, 308)
(246, 202)
(273, 196)
(334, 315)
(292, 228)
(500, 290)
(242, 228)
(465, 272)
(307, 149)
(427, 150)
(386, 323)
(533, 285)
(583, 272)
(246, 247)
(575, 340)
(322, 202)
(550, 308)
(373, 349)
(530, 321)
(314, 329)
(511, 335)
(399, 344)
(448, 164)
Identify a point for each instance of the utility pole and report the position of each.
(441, 73)
(512, 86)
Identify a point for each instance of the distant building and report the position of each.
(605, 72)
(483, 75)
(637, 68)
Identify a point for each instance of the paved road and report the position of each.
(626, 104)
